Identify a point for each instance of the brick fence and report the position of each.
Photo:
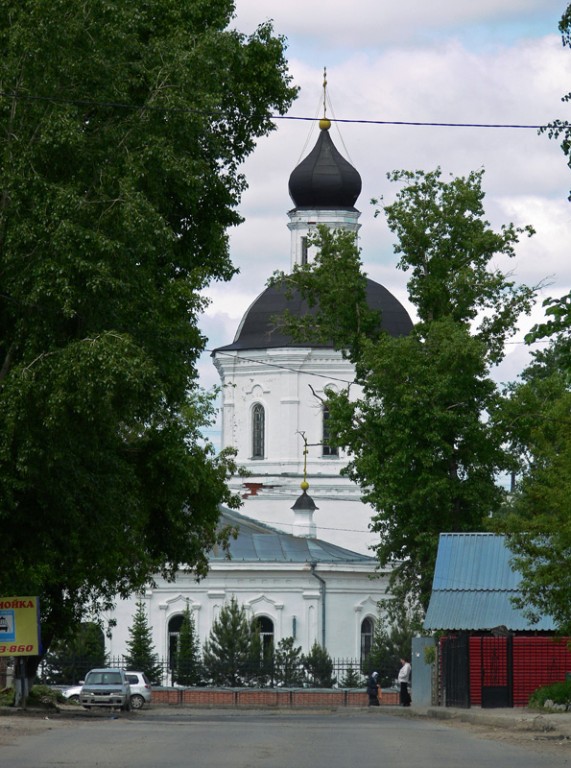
(285, 698)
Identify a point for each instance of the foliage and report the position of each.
(68, 661)
(188, 664)
(44, 696)
(120, 176)
(288, 668)
(228, 650)
(7, 697)
(391, 643)
(352, 679)
(537, 421)
(423, 446)
(319, 667)
(141, 656)
(537, 521)
(557, 693)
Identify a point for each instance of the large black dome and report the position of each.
(324, 179)
(258, 328)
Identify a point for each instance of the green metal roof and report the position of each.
(260, 543)
(474, 584)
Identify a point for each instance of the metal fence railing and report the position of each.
(341, 672)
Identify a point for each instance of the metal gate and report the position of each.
(497, 671)
(456, 671)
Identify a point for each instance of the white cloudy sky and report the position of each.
(485, 61)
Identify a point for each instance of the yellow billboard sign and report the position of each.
(20, 626)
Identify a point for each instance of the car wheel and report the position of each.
(137, 701)
(74, 699)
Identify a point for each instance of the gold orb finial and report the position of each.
(304, 485)
(325, 123)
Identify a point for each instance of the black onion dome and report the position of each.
(324, 179)
(258, 328)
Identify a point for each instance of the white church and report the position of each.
(302, 562)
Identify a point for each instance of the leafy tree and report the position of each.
(228, 649)
(319, 667)
(141, 655)
(120, 176)
(392, 641)
(188, 663)
(288, 663)
(423, 447)
(537, 421)
(68, 661)
(537, 520)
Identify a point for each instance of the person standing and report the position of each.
(404, 680)
(373, 689)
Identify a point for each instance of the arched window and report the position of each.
(367, 630)
(266, 628)
(327, 448)
(174, 632)
(258, 429)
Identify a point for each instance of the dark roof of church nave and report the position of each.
(258, 543)
(258, 329)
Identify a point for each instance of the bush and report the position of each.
(7, 697)
(43, 695)
(558, 693)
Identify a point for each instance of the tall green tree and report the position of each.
(422, 445)
(141, 655)
(537, 420)
(227, 652)
(122, 130)
(188, 664)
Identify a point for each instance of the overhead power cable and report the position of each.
(190, 110)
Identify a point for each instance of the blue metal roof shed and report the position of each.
(473, 586)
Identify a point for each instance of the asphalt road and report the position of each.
(216, 739)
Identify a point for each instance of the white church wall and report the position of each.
(287, 593)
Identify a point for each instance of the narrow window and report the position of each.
(266, 628)
(304, 250)
(258, 428)
(367, 629)
(174, 632)
(328, 449)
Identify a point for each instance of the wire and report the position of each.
(417, 123)
(275, 365)
(191, 110)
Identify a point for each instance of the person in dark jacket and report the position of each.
(373, 689)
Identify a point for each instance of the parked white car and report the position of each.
(141, 692)
(71, 693)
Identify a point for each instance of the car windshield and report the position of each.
(103, 678)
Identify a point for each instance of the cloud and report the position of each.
(370, 23)
(376, 74)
